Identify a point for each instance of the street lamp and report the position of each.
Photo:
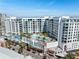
(44, 56)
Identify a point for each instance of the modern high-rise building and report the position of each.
(2, 24)
(24, 25)
(13, 25)
(49, 26)
(33, 25)
(66, 31)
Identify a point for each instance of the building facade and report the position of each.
(24, 25)
(53, 27)
(33, 25)
(12, 25)
(66, 30)
(2, 24)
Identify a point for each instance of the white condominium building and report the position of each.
(24, 25)
(66, 30)
(33, 25)
(2, 24)
(12, 25)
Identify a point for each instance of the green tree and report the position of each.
(22, 46)
(69, 56)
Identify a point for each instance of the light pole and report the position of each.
(44, 56)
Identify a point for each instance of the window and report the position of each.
(29, 19)
(69, 32)
(67, 20)
(74, 20)
(71, 20)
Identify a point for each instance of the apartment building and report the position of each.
(12, 25)
(66, 31)
(33, 25)
(25, 25)
(2, 24)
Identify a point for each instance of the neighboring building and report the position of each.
(53, 27)
(24, 25)
(13, 25)
(33, 25)
(2, 24)
(66, 30)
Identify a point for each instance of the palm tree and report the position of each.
(8, 43)
(45, 34)
(77, 53)
(21, 35)
(13, 33)
(29, 35)
(22, 46)
(69, 56)
(38, 37)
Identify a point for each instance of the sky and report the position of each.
(40, 7)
